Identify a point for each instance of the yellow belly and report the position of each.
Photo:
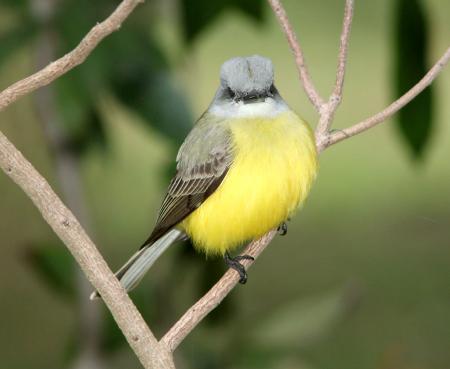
(274, 165)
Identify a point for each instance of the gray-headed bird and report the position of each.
(244, 169)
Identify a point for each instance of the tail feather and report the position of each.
(131, 273)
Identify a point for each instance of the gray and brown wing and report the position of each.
(203, 162)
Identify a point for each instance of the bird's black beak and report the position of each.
(255, 96)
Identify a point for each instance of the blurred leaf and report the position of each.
(78, 91)
(197, 15)
(160, 103)
(15, 38)
(74, 102)
(77, 108)
(55, 266)
(131, 64)
(93, 135)
(112, 337)
(141, 81)
(16, 3)
(301, 322)
(415, 120)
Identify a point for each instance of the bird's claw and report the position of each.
(234, 263)
(282, 229)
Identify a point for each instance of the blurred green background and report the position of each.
(362, 278)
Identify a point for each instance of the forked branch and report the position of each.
(154, 354)
(394, 107)
(323, 140)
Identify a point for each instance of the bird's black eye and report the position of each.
(272, 90)
(231, 93)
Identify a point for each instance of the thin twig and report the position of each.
(155, 354)
(343, 48)
(326, 114)
(221, 289)
(305, 78)
(70, 60)
(392, 108)
(212, 298)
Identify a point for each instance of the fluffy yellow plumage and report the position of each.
(245, 167)
(275, 163)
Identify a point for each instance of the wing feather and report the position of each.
(203, 161)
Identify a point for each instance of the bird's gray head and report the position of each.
(247, 78)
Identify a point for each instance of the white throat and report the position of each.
(267, 108)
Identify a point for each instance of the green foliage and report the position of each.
(129, 65)
(112, 337)
(55, 266)
(140, 78)
(18, 4)
(304, 321)
(415, 120)
(15, 38)
(197, 15)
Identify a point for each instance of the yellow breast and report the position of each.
(274, 165)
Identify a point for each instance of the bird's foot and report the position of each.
(234, 263)
(282, 229)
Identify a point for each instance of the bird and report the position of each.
(244, 169)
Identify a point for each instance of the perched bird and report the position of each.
(245, 167)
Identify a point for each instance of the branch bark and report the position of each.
(302, 68)
(323, 140)
(70, 60)
(389, 111)
(213, 297)
(66, 226)
(328, 109)
(154, 354)
(151, 354)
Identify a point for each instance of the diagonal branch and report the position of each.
(70, 60)
(380, 117)
(155, 354)
(212, 298)
(151, 354)
(326, 110)
(305, 78)
(66, 226)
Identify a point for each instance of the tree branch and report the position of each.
(70, 60)
(323, 140)
(213, 297)
(343, 48)
(58, 216)
(151, 353)
(328, 109)
(380, 117)
(305, 78)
